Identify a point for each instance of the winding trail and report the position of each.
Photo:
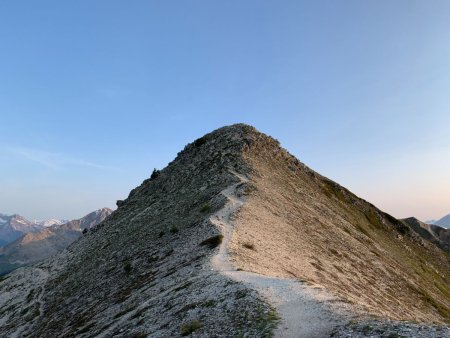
(305, 311)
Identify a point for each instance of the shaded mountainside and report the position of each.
(146, 269)
(36, 246)
(438, 235)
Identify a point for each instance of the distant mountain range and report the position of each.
(50, 222)
(15, 226)
(443, 222)
(436, 234)
(36, 241)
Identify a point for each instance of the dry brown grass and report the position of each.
(309, 227)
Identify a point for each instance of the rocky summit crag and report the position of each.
(204, 247)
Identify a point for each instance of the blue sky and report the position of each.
(95, 94)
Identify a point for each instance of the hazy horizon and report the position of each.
(95, 94)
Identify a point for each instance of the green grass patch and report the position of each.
(30, 295)
(128, 268)
(367, 329)
(139, 335)
(205, 208)
(36, 312)
(267, 322)
(188, 328)
(210, 303)
(394, 335)
(440, 308)
(331, 189)
(362, 229)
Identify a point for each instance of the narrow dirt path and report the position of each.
(305, 310)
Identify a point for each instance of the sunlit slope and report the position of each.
(297, 223)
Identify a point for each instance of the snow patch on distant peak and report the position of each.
(50, 222)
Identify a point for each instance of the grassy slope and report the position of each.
(299, 224)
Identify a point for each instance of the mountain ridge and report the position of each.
(436, 234)
(146, 270)
(14, 226)
(443, 222)
(36, 246)
(347, 238)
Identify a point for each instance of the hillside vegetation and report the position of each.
(297, 223)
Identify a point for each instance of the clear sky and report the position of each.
(95, 94)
